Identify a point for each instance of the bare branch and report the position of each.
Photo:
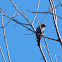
(57, 5)
(45, 16)
(48, 50)
(18, 3)
(45, 13)
(23, 24)
(5, 24)
(9, 21)
(23, 16)
(52, 38)
(40, 44)
(44, 57)
(60, 2)
(2, 54)
(53, 10)
(36, 13)
(22, 11)
(5, 36)
(43, 54)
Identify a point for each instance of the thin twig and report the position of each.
(55, 58)
(5, 24)
(18, 3)
(2, 54)
(52, 38)
(45, 13)
(22, 11)
(60, 56)
(5, 37)
(23, 24)
(23, 16)
(43, 54)
(8, 21)
(40, 44)
(44, 57)
(60, 2)
(38, 21)
(45, 16)
(57, 5)
(48, 50)
(36, 13)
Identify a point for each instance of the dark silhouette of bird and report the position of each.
(40, 32)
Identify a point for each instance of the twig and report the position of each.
(17, 17)
(44, 57)
(40, 44)
(3, 11)
(36, 13)
(60, 2)
(22, 11)
(43, 54)
(8, 21)
(60, 56)
(29, 34)
(49, 38)
(48, 50)
(5, 36)
(38, 21)
(23, 16)
(5, 24)
(57, 5)
(2, 54)
(45, 13)
(23, 24)
(18, 3)
(55, 58)
(52, 38)
(53, 10)
(45, 16)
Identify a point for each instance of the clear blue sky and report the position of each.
(22, 47)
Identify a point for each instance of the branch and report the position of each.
(23, 24)
(23, 16)
(45, 13)
(44, 57)
(2, 54)
(48, 50)
(45, 16)
(22, 10)
(53, 10)
(5, 36)
(36, 13)
(52, 38)
(60, 2)
(43, 54)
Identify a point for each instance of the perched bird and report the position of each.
(40, 32)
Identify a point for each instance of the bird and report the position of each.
(39, 32)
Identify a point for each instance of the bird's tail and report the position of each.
(38, 42)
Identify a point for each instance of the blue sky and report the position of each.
(22, 47)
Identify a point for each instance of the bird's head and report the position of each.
(43, 25)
